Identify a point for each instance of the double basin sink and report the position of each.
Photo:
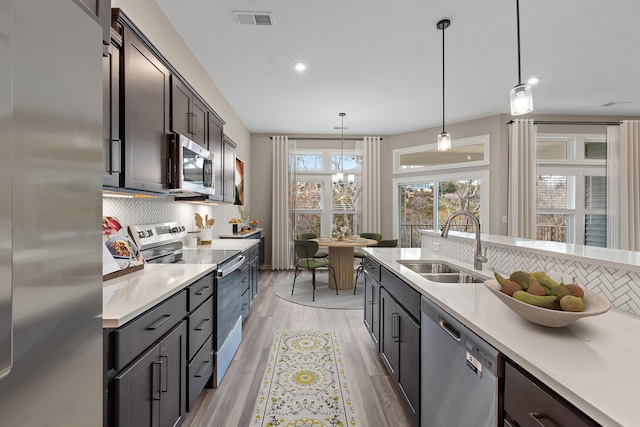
(441, 272)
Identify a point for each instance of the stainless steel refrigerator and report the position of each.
(50, 210)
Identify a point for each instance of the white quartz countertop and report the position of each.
(592, 363)
(130, 295)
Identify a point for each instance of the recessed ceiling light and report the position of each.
(299, 66)
(532, 80)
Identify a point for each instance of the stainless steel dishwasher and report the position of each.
(460, 373)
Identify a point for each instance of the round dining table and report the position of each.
(341, 258)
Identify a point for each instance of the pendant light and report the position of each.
(338, 177)
(444, 139)
(521, 96)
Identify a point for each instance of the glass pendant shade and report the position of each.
(521, 98)
(444, 141)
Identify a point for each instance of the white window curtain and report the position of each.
(371, 184)
(522, 179)
(280, 252)
(613, 187)
(629, 155)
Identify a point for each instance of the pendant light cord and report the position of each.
(443, 79)
(518, 32)
(442, 25)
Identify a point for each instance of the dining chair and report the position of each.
(304, 250)
(309, 236)
(360, 255)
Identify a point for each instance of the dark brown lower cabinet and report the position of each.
(529, 403)
(372, 307)
(400, 350)
(151, 390)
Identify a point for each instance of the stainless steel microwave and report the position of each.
(191, 168)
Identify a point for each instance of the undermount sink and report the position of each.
(452, 277)
(442, 272)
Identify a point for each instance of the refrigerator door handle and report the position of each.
(6, 195)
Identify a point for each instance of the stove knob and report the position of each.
(174, 230)
(182, 228)
(141, 234)
(149, 233)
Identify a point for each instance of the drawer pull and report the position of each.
(203, 368)
(201, 325)
(536, 416)
(159, 322)
(203, 290)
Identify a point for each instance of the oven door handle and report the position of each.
(233, 267)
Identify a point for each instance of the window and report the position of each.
(317, 201)
(571, 189)
(465, 152)
(427, 205)
(424, 202)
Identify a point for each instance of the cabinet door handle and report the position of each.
(201, 325)
(159, 322)
(195, 123)
(453, 333)
(536, 416)
(203, 290)
(396, 327)
(156, 371)
(164, 378)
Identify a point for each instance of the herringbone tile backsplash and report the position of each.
(621, 287)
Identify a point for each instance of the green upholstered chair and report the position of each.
(360, 255)
(305, 249)
(391, 243)
(309, 236)
(374, 236)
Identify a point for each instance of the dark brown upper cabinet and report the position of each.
(188, 113)
(146, 116)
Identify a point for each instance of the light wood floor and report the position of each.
(231, 404)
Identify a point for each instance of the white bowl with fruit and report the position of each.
(546, 301)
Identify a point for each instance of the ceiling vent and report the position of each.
(253, 19)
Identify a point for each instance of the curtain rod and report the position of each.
(305, 138)
(552, 122)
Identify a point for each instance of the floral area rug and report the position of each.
(304, 383)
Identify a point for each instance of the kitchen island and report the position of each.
(591, 363)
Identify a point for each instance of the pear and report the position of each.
(572, 303)
(576, 290)
(560, 291)
(521, 277)
(536, 288)
(510, 287)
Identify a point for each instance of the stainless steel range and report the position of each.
(159, 243)
(163, 244)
